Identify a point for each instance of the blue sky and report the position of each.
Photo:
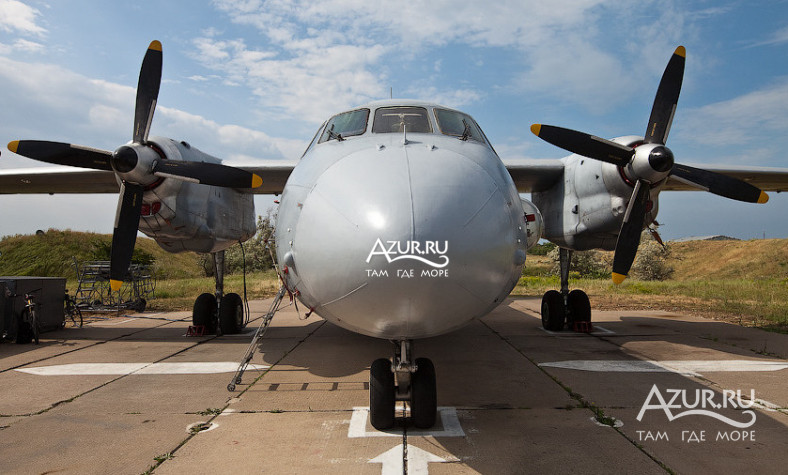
(246, 80)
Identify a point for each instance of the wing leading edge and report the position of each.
(52, 180)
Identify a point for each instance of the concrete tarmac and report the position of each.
(646, 392)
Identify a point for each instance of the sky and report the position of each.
(252, 79)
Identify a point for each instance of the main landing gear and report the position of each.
(218, 312)
(563, 308)
(401, 379)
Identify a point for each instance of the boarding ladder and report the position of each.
(258, 336)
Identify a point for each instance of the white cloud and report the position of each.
(97, 113)
(231, 142)
(311, 84)
(318, 57)
(757, 117)
(20, 18)
(778, 37)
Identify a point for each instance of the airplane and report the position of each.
(399, 221)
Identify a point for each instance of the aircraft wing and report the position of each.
(57, 180)
(81, 180)
(534, 174)
(539, 174)
(765, 178)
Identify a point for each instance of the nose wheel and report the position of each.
(400, 379)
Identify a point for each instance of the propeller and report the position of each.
(648, 163)
(137, 164)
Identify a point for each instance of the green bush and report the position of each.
(651, 262)
(591, 264)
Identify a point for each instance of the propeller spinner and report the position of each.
(648, 163)
(136, 164)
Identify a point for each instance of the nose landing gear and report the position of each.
(402, 379)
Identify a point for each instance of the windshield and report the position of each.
(345, 125)
(458, 124)
(401, 119)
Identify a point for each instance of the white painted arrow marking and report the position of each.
(686, 367)
(113, 369)
(393, 461)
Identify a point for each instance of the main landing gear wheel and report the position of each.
(579, 306)
(423, 395)
(231, 314)
(553, 311)
(381, 394)
(204, 312)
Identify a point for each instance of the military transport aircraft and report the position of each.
(399, 221)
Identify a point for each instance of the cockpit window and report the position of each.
(401, 119)
(345, 125)
(458, 124)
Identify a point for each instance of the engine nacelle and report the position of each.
(534, 224)
(185, 216)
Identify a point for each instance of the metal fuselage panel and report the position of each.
(195, 217)
(586, 208)
(398, 239)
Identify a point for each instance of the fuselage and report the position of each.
(400, 221)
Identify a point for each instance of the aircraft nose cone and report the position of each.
(406, 243)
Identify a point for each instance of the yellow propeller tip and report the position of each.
(681, 51)
(763, 198)
(536, 128)
(155, 45)
(13, 146)
(115, 284)
(256, 181)
(618, 278)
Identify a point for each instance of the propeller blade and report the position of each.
(207, 173)
(584, 144)
(62, 154)
(147, 92)
(127, 221)
(720, 184)
(629, 236)
(666, 99)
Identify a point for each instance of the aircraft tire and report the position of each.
(204, 312)
(579, 306)
(231, 314)
(424, 396)
(553, 311)
(381, 394)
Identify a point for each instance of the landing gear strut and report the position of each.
(218, 312)
(565, 307)
(402, 379)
